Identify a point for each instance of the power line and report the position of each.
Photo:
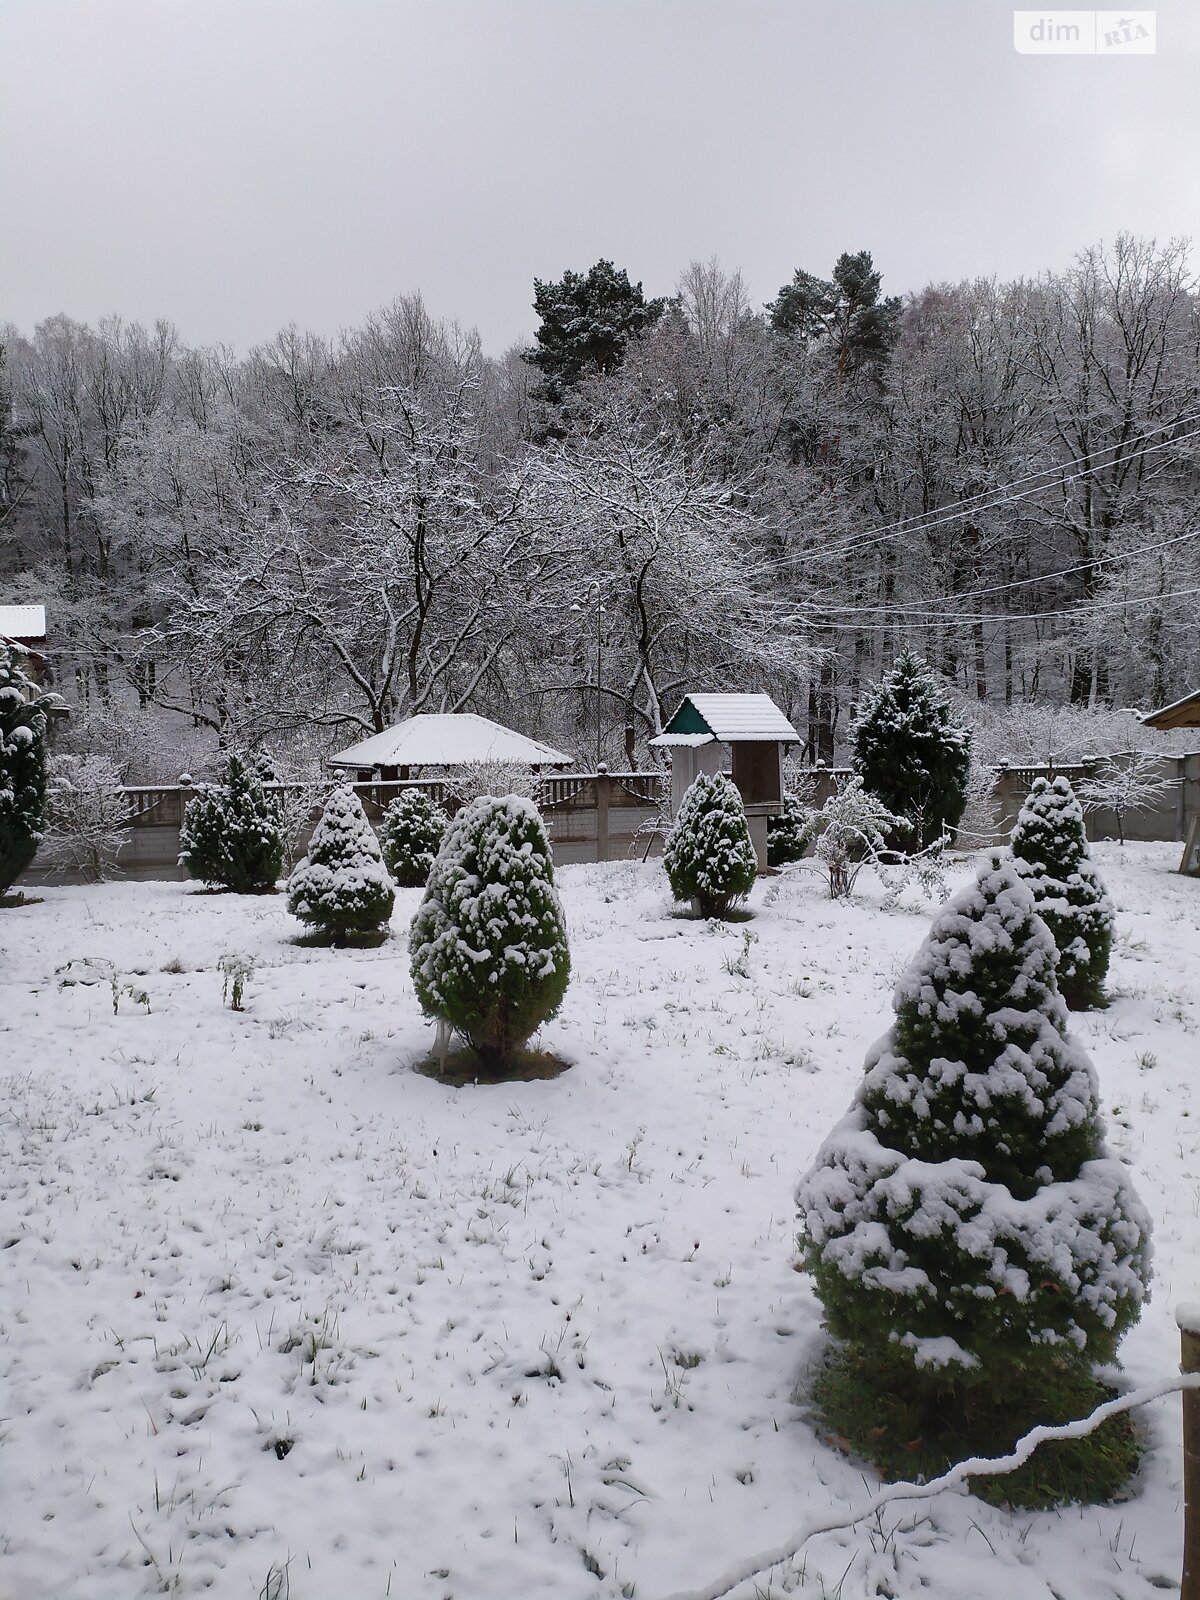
(993, 499)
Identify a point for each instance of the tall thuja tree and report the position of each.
(24, 718)
(587, 321)
(911, 750)
(1050, 851)
(970, 1236)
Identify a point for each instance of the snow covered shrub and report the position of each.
(1050, 851)
(911, 750)
(252, 850)
(852, 828)
(201, 834)
(342, 885)
(790, 834)
(709, 855)
(489, 940)
(231, 833)
(410, 836)
(966, 1227)
(24, 717)
(88, 815)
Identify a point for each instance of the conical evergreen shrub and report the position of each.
(790, 834)
(709, 854)
(489, 941)
(202, 834)
(253, 846)
(1050, 852)
(410, 836)
(912, 751)
(965, 1224)
(342, 885)
(24, 718)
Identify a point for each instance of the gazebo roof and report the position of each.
(23, 624)
(448, 740)
(731, 718)
(1183, 713)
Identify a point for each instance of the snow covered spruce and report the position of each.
(1050, 851)
(489, 940)
(709, 854)
(342, 886)
(231, 834)
(410, 836)
(971, 1239)
(911, 750)
(23, 722)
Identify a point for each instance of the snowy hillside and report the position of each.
(282, 1317)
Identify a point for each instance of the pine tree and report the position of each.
(342, 885)
(965, 1224)
(587, 321)
(911, 750)
(410, 836)
(709, 854)
(1050, 851)
(489, 940)
(253, 844)
(24, 718)
(202, 833)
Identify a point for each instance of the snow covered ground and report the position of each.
(280, 1316)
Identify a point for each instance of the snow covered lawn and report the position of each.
(280, 1316)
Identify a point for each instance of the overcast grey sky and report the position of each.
(236, 165)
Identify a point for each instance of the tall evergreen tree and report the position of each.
(489, 940)
(847, 312)
(911, 750)
(24, 718)
(965, 1225)
(588, 320)
(1050, 851)
(253, 846)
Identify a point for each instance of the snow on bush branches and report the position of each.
(1050, 851)
(231, 834)
(342, 886)
(410, 835)
(965, 1217)
(709, 855)
(911, 750)
(489, 940)
(23, 721)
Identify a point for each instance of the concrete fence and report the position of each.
(604, 816)
(590, 816)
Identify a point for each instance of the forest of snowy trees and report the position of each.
(287, 549)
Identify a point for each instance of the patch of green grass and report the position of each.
(906, 1434)
(463, 1067)
(320, 940)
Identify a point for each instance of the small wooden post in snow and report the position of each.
(1188, 1318)
(441, 1044)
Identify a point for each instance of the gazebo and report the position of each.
(451, 739)
(1183, 713)
(754, 728)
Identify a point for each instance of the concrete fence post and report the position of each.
(603, 795)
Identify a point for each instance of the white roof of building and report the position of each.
(735, 717)
(686, 741)
(448, 740)
(27, 623)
